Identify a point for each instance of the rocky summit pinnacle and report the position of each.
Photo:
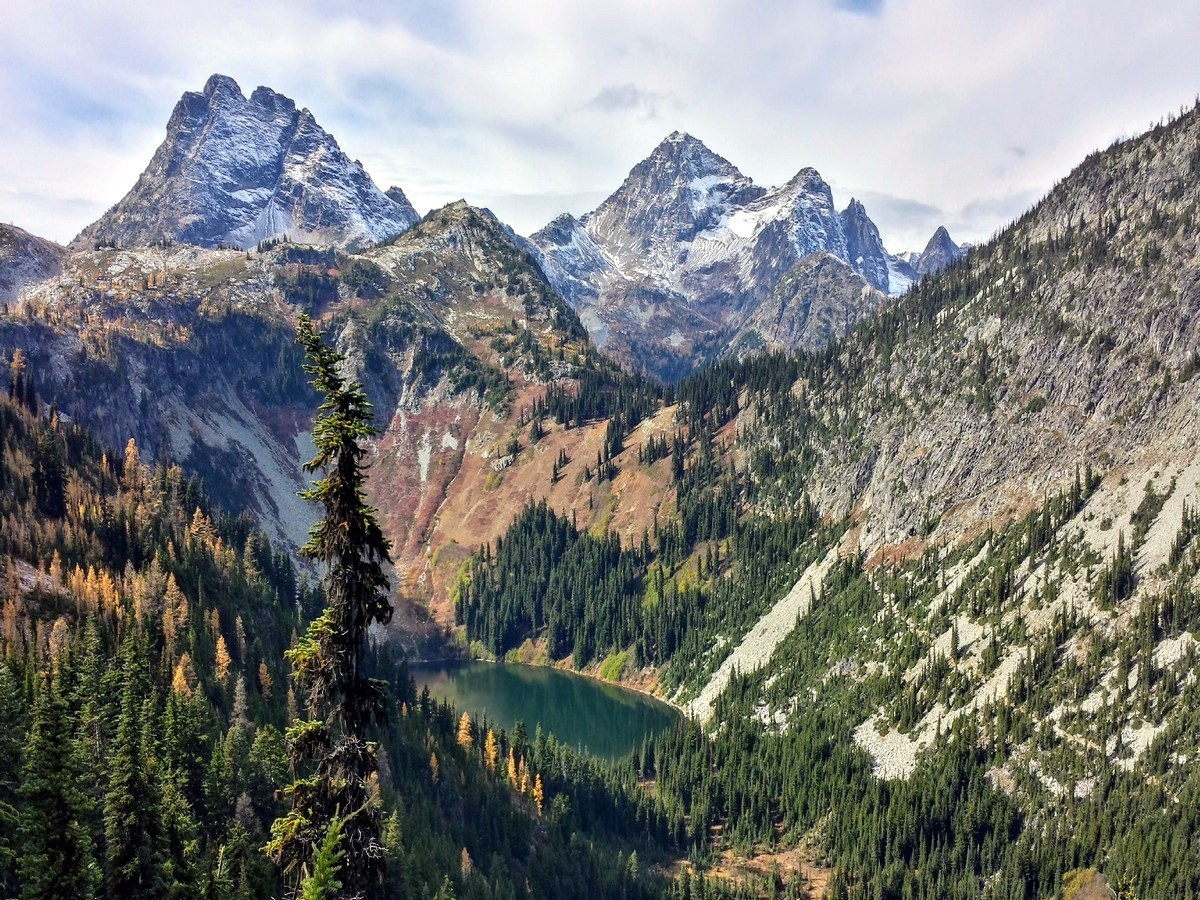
(235, 170)
(939, 253)
(676, 192)
(676, 263)
(864, 247)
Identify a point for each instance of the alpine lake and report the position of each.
(605, 720)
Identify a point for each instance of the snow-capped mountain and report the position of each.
(681, 192)
(671, 267)
(235, 170)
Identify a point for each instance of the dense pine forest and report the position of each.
(948, 830)
(144, 699)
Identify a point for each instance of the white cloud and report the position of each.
(529, 106)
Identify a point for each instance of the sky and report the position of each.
(932, 112)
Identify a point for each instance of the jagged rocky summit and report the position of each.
(939, 253)
(677, 264)
(234, 171)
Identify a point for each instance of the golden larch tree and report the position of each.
(465, 738)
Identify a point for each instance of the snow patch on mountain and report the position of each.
(901, 276)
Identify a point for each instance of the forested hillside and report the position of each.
(930, 594)
(144, 698)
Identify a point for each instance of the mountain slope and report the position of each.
(25, 259)
(452, 327)
(1071, 336)
(938, 585)
(235, 171)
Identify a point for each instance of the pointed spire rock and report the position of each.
(678, 191)
(234, 171)
(221, 84)
(864, 247)
(939, 253)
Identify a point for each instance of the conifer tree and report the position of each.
(491, 750)
(11, 729)
(55, 849)
(132, 806)
(465, 737)
(342, 702)
(323, 883)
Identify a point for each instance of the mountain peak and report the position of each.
(396, 195)
(25, 259)
(939, 253)
(688, 157)
(808, 181)
(265, 97)
(222, 84)
(676, 192)
(864, 247)
(683, 139)
(236, 171)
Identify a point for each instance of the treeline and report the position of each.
(603, 392)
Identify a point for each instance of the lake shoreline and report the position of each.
(607, 719)
(561, 666)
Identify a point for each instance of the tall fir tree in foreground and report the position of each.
(339, 791)
(12, 727)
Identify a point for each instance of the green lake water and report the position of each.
(603, 719)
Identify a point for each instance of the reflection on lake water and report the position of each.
(603, 719)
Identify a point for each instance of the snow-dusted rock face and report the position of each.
(25, 260)
(864, 247)
(670, 198)
(668, 270)
(901, 274)
(572, 259)
(236, 171)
